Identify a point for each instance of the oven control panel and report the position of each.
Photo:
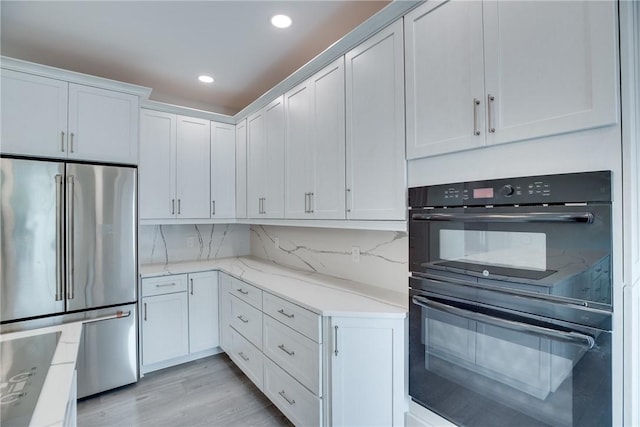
(581, 187)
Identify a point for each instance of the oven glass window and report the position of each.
(497, 248)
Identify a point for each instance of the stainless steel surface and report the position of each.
(290, 316)
(70, 233)
(117, 315)
(28, 228)
(335, 337)
(490, 99)
(284, 396)
(558, 335)
(71, 142)
(476, 104)
(289, 352)
(586, 217)
(108, 351)
(62, 141)
(103, 235)
(59, 238)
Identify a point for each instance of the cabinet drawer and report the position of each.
(294, 316)
(295, 401)
(247, 357)
(164, 285)
(293, 352)
(247, 320)
(246, 292)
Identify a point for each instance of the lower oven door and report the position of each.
(481, 367)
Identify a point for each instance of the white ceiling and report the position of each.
(165, 45)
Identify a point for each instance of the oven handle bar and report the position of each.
(586, 217)
(572, 337)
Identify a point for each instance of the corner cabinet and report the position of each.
(375, 156)
(223, 170)
(45, 117)
(507, 71)
(265, 161)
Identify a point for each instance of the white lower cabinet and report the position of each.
(247, 356)
(224, 310)
(179, 319)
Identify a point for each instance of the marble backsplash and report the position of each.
(162, 244)
(383, 260)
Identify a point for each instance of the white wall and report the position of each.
(172, 243)
(383, 254)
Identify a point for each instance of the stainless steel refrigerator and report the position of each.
(68, 253)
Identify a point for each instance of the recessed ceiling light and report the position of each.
(205, 79)
(281, 21)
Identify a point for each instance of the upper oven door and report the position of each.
(564, 251)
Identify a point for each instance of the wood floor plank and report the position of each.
(207, 392)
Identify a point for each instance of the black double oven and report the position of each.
(510, 300)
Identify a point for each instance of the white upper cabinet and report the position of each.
(157, 164)
(315, 146)
(193, 169)
(492, 72)
(223, 170)
(265, 153)
(375, 160)
(46, 117)
(241, 169)
(103, 125)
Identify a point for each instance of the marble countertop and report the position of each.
(323, 294)
(52, 403)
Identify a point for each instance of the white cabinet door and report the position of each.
(256, 163)
(273, 205)
(193, 169)
(241, 169)
(157, 168)
(375, 127)
(327, 200)
(34, 115)
(550, 66)
(299, 142)
(165, 327)
(223, 170)
(203, 311)
(367, 372)
(444, 78)
(103, 125)
(224, 284)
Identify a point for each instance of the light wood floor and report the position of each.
(208, 392)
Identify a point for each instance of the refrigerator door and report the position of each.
(101, 235)
(31, 238)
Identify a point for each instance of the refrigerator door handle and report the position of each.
(59, 239)
(70, 251)
(118, 315)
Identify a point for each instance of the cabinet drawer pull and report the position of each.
(490, 99)
(290, 316)
(242, 291)
(242, 319)
(476, 104)
(283, 348)
(335, 343)
(284, 396)
(245, 358)
(62, 141)
(165, 285)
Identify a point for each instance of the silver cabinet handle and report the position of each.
(145, 311)
(164, 285)
(348, 199)
(242, 319)
(306, 202)
(490, 99)
(335, 340)
(283, 348)
(173, 206)
(311, 202)
(290, 316)
(245, 358)
(213, 207)
(178, 206)
(62, 141)
(476, 105)
(70, 235)
(284, 396)
(71, 142)
(242, 291)
(191, 280)
(59, 239)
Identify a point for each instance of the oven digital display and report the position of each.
(482, 193)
